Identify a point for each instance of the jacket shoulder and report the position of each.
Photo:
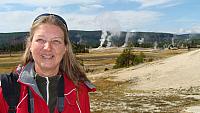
(90, 86)
(86, 87)
(14, 74)
(7, 76)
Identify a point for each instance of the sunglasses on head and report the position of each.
(56, 16)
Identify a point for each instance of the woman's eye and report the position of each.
(40, 41)
(56, 42)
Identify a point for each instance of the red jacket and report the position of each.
(71, 105)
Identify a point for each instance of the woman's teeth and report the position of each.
(47, 56)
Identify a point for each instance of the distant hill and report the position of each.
(95, 39)
(90, 38)
(17, 37)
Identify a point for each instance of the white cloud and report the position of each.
(80, 22)
(171, 4)
(189, 25)
(193, 29)
(91, 8)
(19, 21)
(88, 17)
(47, 3)
(15, 21)
(114, 20)
(136, 19)
(108, 21)
(150, 3)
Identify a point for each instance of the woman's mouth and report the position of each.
(47, 56)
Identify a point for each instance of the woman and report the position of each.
(51, 80)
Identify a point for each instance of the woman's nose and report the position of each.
(47, 46)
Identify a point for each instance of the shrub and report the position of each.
(127, 58)
(138, 59)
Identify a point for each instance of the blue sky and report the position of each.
(173, 16)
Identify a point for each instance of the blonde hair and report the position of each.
(68, 64)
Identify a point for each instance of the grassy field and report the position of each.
(95, 61)
(8, 63)
(116, 97)
(99, 60)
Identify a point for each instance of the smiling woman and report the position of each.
(47, 48)
(51, 76)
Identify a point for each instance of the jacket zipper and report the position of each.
(47, 88)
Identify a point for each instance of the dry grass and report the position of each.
(98, 60)
(117, 97)
(8, 63)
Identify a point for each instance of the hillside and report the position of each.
(90, 38)
(94, 39)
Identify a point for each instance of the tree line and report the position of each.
(8, 48)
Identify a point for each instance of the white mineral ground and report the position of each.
(180, 71)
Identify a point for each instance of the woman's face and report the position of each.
(48, 47)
